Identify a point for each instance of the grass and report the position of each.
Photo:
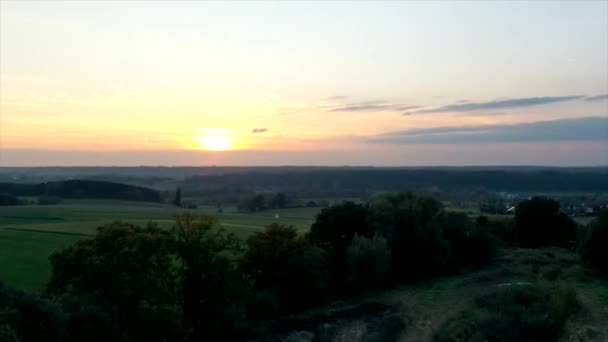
(29, 234)
(23, 256)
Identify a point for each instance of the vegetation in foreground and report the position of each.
(196, 282)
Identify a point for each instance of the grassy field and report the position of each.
(29, 234)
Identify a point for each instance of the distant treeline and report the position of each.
(82, 189)
(361, 182)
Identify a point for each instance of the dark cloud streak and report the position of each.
(500, 104)
(597, 98)
(582, 129)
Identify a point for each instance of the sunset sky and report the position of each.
(303, 83)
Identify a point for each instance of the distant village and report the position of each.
(504, 203)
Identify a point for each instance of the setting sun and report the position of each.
(216, 139)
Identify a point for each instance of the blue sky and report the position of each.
(177, 79)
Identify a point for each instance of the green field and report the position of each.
(29, 234)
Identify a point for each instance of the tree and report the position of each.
(417, 248)
(335, 227)
(29, 317)
(129, 272)
(279, 200)
(251, 204)
(177, 201)
(594, 244)
(539, 222)
(469, 245)
(282, 263)
(212, 290)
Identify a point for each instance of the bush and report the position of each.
(594, 245)
(513, 313)
(368, 262)
(501, 228)
(539, 223)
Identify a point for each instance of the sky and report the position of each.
(398, 83)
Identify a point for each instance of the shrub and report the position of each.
(502, 228)
(594, 245)
(513, 313)
(368, 262)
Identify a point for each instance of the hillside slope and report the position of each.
(423, 309)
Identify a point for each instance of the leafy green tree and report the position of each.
(539, 222)
(212, 290)
(469, 245)
(129, 272)
(285, 265)
(335, 227)
(29, 317)
(594, 244)
(417, 247)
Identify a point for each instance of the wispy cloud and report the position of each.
(259, 130)
(337, 98)
(368, 106)
(345, 104)
(597, 97)
(582, 129)
(499, 104)
(371, 106)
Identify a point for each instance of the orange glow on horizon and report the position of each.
(217, 139)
